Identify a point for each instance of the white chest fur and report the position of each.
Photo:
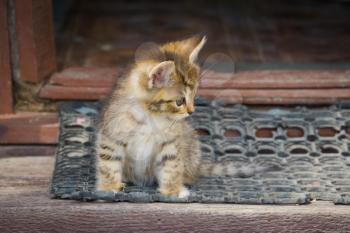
(140, 148)
(143, 146)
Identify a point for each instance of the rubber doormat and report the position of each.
(312, 146)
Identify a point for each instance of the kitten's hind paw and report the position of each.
(111, 187)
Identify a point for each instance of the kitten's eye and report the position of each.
(180, 102)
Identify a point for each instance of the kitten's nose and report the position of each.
(190, 110)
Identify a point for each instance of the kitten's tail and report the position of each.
(231, 169)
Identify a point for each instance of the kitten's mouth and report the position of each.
(179, 116)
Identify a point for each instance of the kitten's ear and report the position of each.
(191, 47)
(194, 53)
(160, 75)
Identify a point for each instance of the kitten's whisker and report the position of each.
(172, 124)
(211, 65)
(204, 73)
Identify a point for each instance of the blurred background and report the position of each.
(259, 53)
(106, 33)
(264, 54)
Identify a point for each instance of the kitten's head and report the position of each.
(168, 78)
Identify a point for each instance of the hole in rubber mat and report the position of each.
(233, 151)
(329, 150)
(299, 151)
(347, 130)
(202, 132)
(73, 126)
(72, 142)
(345, 153)
(311, 138)
(265, 132)
(88, 144)
(232, 133)
(90, 129)
(266, 151)
(294, 132)
(327, 132)
(205, 148)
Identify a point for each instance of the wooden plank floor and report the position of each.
(25, 206)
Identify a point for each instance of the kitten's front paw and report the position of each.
(111, 187)
(184, 192)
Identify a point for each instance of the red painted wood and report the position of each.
(26, 150)
(73, 93)
(255, 87)
(6, 101)
(29, 128)
(34, 31)
(86, 77)
(278, 96)
(105, 77)
(242, 96)
(276, 79)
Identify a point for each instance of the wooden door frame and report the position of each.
(6, 97)
(27, 54)
(35, 39)
(27, 45)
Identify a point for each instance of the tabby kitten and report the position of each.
(142, 137)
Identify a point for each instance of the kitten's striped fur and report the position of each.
(142, 137)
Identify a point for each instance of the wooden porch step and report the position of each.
(25, 206)
(249, 87)
(29, 128)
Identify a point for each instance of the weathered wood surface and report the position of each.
(26, 150)
(35, 38)
(264, 79)
(283, 79)
(25, 206)
(86, 77)
(236, 96)
(57, 92)
(6, 101)
(278, 96)
(255, 87)
(29, 128)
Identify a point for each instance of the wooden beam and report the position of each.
(26, 150)
(315, 79)
(6, 101)
(35, 38)
(106, 77)
(253, 87)
(278, 96)
(29, 128)
(56, 92)
(239, 96)
(86, 77)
